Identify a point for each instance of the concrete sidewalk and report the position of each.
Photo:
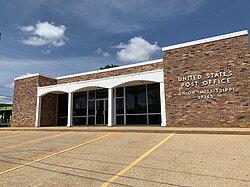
(136, 129)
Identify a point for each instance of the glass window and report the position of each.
(136, 99)
(119, 106)
(62, 105)
(120, 120)
(62, 121)
(92, 94)
(154, 119)
(91, 107)
(91, 120)
(136, 119)
(106, 112)
(154, 98)
(79, 120)
(102, 94)
(80, 104)
(119, 92)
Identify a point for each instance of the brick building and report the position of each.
(204, 83)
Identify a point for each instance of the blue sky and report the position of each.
(60, 37)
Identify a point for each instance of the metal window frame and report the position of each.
(125, 106)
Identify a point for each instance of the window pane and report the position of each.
(62, 121)
(154, 119)
(91, 120)
(92, 94)
(119, 106)
(154, 105)
(106, 112)
(119, 92)
(101, 94)
(136, 119)
(91, 106)
(136, 99)
(62, 105)
(120, 120)
(80, 104)
(79, 121)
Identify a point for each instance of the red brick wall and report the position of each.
(45, 81)
(230, 109)
(25, 96)
(24, 103)
(124, 71)
(48, 110)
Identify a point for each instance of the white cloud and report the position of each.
(106, 54)
(44, 33)
(26, 74)
(11, 85)
(46, 52)
(29, 28)
(5, 100)
(101, 52)
(137, 49)
(127, 16)
(2, 97)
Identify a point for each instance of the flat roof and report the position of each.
(33, 75)
(206, 40)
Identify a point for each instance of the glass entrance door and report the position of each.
(101, 111)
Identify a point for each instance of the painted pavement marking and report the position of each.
(132, 164)
(35, 140)
(57, 153)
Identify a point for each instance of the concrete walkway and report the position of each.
(136, 129)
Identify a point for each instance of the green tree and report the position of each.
(109, 66)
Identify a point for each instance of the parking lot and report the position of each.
(53, 158)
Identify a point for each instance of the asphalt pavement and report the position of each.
(71, 158)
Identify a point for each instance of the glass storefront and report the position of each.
(80, 108)
(136, 100)
(142, 105)
(90, 107)
(134, 105)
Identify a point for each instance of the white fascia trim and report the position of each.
(101, 79)
(33, 75)
(111, 69)
(211, 39)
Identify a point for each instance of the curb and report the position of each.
(188, 131)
